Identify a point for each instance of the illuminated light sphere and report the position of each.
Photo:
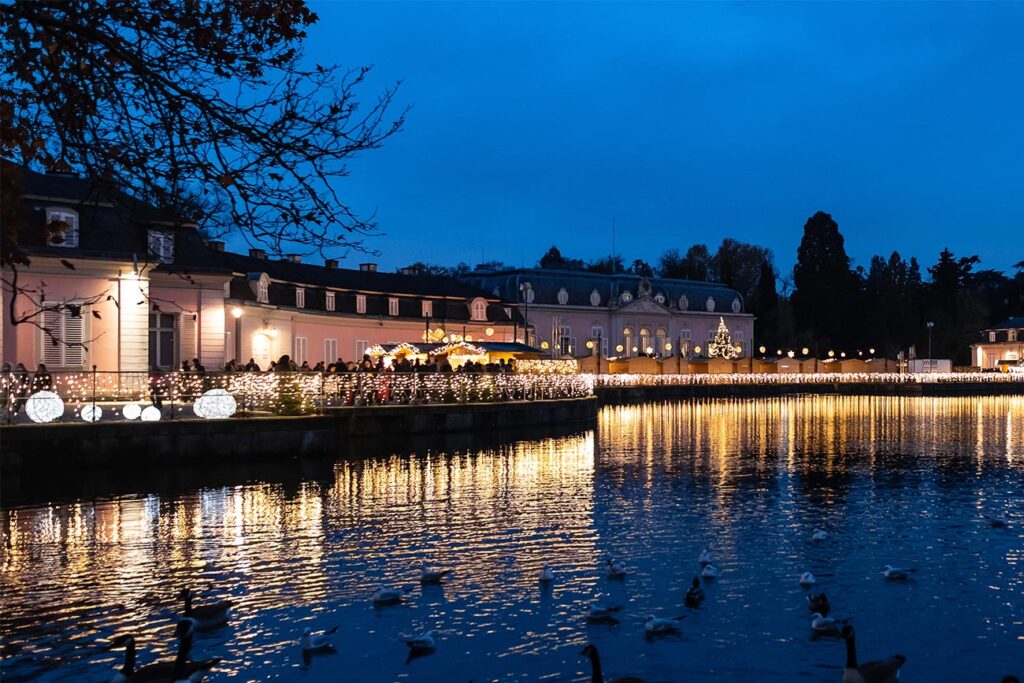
(843, 354)
(150, 414)
(635, 349)
(489, 331)
(131, 411)
(668, 346)
(805, 350)
(762, 349)
(92, 413)
(778, 352)
(444, 339)
(831, 353)
(590, 343)
(215, 404)
(618, 348)
(696, 349)
(871, 351)
(44, 406)
(237, 312)
(469, 337)
(543, 345)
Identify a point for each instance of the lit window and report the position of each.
(263, 289)
(300, 297)
(360, 303)
(478, 309)
(61, 228)
(392, 306)
(428, 309)
(161, 246)
(329, 300)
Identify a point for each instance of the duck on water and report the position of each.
(180, 669)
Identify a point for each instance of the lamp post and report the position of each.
(930, 325)
(525, 290)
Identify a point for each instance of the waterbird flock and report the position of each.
(217, 614)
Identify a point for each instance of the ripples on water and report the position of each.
(895, 480)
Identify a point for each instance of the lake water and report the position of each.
(905, 481)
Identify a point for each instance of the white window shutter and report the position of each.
(53, 321)
(74, 337)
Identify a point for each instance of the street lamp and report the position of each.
(930, 325)
(525, 290)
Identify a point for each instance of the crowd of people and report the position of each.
(286, 364)
(19, 384)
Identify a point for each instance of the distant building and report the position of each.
(626, 315)
(1001, 346)
(119, 285)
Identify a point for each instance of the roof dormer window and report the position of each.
(393, 306)
(263, 288)
(61, 227)
(300, 297)
(329, 301)
(360, 303)
(478, 309)
(161, 246)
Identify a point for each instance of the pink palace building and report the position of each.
(116, 284)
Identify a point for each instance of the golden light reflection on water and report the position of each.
(654, 480)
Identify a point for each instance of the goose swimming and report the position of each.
(882, 671)
(704, 558)
(709, 572)
(897, 573)
(596, 675)
(818, 602)
(695, 594)
(599, 614)
(616, 570)
(315, 642)
(996, 522)
(546, 574)
(661, 626)
(388, 596)
(807, 579)
(206, 616)
(432, 577)
(180, 669)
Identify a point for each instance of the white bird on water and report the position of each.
(616, 570)
(318, 641)
(819, 535)
(709, 571)
(705, 557)
(423, 643)
(433, 577)
(822, 624)
(388, 596)
(807, 579)
(546, 574)
(660, 626)
(897, 573)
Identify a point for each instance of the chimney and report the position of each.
(407, 270)
(294, 258)
(368, 267)
(331, 263)
(216, 245)
(258, 253)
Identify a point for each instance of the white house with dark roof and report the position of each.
(1001, 346)
(622, 314)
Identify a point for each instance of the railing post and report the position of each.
(94, 388)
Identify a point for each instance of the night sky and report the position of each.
(537, 124)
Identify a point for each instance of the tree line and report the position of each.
(827, 302)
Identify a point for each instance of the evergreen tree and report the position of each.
(825, 296)
(697, 263)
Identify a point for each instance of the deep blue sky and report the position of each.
(536, 124)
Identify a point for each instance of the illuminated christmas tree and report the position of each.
(722, 344)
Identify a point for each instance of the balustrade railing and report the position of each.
(640, 380)
(95, 396)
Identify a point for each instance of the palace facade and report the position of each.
(1001, 346)
(116, 284)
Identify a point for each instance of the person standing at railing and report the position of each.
(185, 367)
(156, 387)
(252, 366)
(41, 381)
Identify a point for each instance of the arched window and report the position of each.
(660, 339)
(478, 309)
(263, 288)
(645, 340)
(628, 340)
(563, 296)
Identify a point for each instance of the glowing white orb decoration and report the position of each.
(151, 414)
(131, 411)
(92, 413)
(215, 404)
(44, 406)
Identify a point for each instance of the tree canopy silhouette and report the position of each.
(204, 106)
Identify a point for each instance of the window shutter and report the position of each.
(74, 337)
(53, 353)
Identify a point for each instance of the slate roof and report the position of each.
(1015, 323)
(579, 285)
